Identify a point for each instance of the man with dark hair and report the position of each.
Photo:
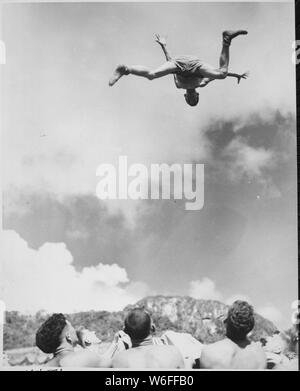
(189, 71)
(53, 332)
(147, 351)
(57, 336)
(240, 320)
(235, 351)
(138, 326)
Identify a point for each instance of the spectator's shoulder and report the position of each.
(84, 358)
(121, 359)
(217, 354)
(260, 354)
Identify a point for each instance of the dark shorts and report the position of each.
(188, 65)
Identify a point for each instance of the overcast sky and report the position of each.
(64, 249)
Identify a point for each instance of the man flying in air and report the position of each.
(189, 72)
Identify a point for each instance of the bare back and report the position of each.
(226, 354)
(81, 359)
(53, 362)
(149, 357)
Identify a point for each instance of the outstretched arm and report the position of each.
(163, 44)
(238, 76)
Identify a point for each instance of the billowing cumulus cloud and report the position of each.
(233, 298)
(247, 160)
(204, 289)
(46, 279)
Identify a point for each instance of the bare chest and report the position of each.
(187, 82)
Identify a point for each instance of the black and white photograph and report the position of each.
(148, 186)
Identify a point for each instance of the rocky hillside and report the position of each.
(202, 318)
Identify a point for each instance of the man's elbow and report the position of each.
(223, 74)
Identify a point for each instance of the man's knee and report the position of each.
(223, 73)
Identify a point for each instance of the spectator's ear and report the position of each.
(263, 341)
(153, 328)
(69, 338)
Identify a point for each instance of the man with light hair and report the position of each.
(190, 72)
(146, 351)
(235, 351)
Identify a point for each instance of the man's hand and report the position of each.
(122, 340)
(160, 40)
(87, 338)
(243, 76)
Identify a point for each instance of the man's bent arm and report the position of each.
(238, 76)
(92, 359)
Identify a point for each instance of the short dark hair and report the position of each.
(187, 96)
(138, 324)
(240, 319)
(48, 336)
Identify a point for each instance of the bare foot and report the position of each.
(120, 71)
(228, 35)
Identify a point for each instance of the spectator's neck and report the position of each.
(242, 343)
(142, 342)
(64, 349)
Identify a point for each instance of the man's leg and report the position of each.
(221, 72)
(138, 70)
(224, 57)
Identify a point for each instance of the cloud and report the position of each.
(131, 210)
(77, 234)
(204, 289)
(247, 160)
(69, 122)
(272, 313)
(235, 297)
(255, 151)
(47, 279)
(59, 149)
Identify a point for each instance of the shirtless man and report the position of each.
(190, 72)
(58, 336)
(187, 82)
(146, 351)
(235, 351)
